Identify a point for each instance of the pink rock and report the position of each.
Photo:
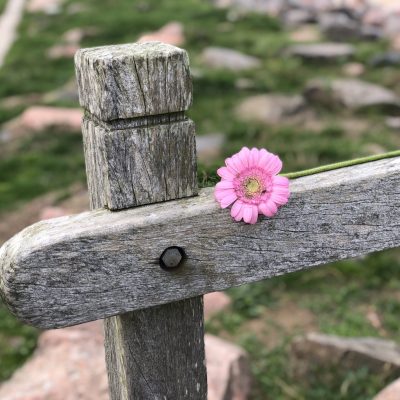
(75, 35)
(353, 69)
(52, 212)
(224, 58)
(375, 16)
(46, 6)
(209, 148)
(228, 371)
(171, 33)
(304, 34)
(69, 364)
(40, 118)
(215, 302)
(391, 392)
(392, 25)
(395, 44)
(62, 51)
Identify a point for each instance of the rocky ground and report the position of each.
(315, 81)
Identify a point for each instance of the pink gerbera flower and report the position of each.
(249, 183)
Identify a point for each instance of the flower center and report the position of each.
(252, 187)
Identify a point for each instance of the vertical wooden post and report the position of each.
(140, 149)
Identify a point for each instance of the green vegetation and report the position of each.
(50, 161)
(17, 342)
(336, 299)
(2, 5)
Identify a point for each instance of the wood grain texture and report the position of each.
(135, 166)
(146, 155)
(96, 264)
(133, 80)
(158, 353)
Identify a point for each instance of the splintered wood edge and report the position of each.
(89, 266)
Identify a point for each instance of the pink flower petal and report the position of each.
(224, 185)
(254, 157)
(280, 181)
(275, 165)
(261, 167)
(238, 162)
(219, 194)
(236, 208)
(244, 155)
(281, 190)
(255, 214)
(231, 165)
(268, 208)
(279, 199)
(226, 173)
(239, 215)
(247, 213)
(264, 159)
(228, 200)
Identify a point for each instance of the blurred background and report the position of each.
(315, 81)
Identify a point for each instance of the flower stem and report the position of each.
(342, 164)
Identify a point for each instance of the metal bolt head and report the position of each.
(172, 257)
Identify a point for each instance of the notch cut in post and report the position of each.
(139, 146)
(140, 149)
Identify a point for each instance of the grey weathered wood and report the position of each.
(96, 264)
(133, 80)
(139, 146)
(146, 156)
(157, 353)
(129, 166)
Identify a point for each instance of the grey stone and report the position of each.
(370, 32)
(219, 57)
(392, 25)
(318, 350)
(297, 17)
(271, 108)
(66, 93)
(339, 26)
(350, 93)
(209, 147)
(244, 84)
(393, 123)
(322, 51)
(270, 7)
(317, 5)
(386, 59)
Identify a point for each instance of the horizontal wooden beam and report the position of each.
(97, 264)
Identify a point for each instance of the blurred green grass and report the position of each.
(336, 295)
(2, 5)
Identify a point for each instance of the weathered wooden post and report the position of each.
(140, 149)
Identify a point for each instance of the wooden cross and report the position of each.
(143, 262)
